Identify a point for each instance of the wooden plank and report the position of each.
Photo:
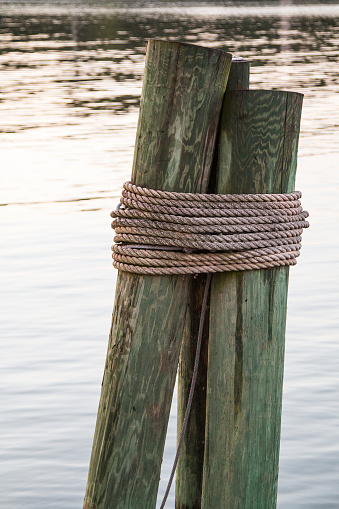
(180, 107)
(257, 154)
(190, 466)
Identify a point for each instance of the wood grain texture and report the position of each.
(257, 154)
(239, 77)
(180, 108)
(189, 475)
(190, 466)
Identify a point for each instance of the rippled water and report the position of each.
(70, 85)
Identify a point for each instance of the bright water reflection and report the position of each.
(70, 86)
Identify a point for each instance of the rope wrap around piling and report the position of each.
(161, 232)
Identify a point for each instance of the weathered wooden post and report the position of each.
(179, 113)
(257, 154)
(190, 467)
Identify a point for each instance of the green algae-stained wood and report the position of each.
(257, 154)
(190, 466)
(239, 77)
(179, 112)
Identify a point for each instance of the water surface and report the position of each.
(70, 86)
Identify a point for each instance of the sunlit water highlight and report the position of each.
(70, 86)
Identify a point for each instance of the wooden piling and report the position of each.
(257, 154)
(189, 473)
(179, 113)
(239, 77)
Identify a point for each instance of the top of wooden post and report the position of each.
(180, 106)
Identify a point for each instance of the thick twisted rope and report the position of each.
(161, 232)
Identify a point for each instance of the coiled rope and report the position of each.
(161, 232)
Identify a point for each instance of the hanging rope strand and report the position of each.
(191, 393)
